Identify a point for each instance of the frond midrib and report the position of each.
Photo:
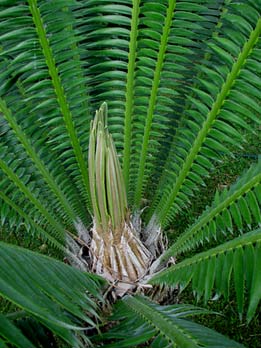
(246, 239)
(237, 66)
(30, 196)
(60, 93)
(130, 91)
(176, 247)
(152, 101)
(37, 161)
(164, 326)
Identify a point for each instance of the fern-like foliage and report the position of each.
(49, 128)
(59, 302)
(236, 207)
(146, 86)
(212, 269)
(182, 82)
(11, 334)
(164, 326)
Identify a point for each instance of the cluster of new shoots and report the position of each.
(117, 252)
(107, 186)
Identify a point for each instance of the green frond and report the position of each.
(166, 326)
(165, 56)
(105, 29)
(28, 222)
(153, 96)
(28, 90)
(121, 69)
(20, 153)
(211, 271)
(182, 82)
(58, 87)
(213, 120)
(11, 334)
(130, 91)
(33, 198)
(236, 208)
(37, 161)
(57, 295)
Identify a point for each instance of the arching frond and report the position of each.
(32, 197)
(130, 91)
(37, 161)
(237, 207)
(57, 81)
(105, 33)
(166, 326)
(30, 224)
(10, 334)
(165, 54)
(60, 297)
(36, 73)
(213, 116)
(182, 82)
(144, 71)
(211, 271)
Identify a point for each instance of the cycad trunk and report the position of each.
(119, 255)
(116, 250)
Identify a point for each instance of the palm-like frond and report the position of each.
(182, 82)
(54, 148)
(57, 295)
(156, 79)
(165, 326)
(162, 80)
(237, 208)
(12, 335)
(210, 126)
(30, 224)
(57, 80)
(212, 269)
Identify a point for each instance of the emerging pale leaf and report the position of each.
(117, 252)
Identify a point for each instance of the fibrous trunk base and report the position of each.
(121, 259)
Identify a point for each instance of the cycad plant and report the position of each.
(182, 83)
